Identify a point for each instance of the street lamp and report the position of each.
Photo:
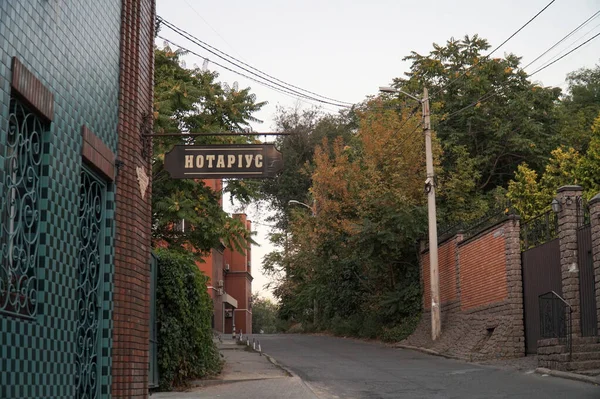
(294, 202)
(436, 322)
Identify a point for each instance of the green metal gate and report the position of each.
(153, 366)
(92, 326)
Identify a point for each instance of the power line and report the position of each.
(224, 56)
(246, 76)
(209, 25)
(493, 51)
(288, 90)
(564, 55)
(491, 92)
(564, 38)
(521, 28)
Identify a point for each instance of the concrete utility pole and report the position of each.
(436, 321)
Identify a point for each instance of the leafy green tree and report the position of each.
(306, 129)
(531, 195)
(264, 315)
(191, 100)
(358, 250)
(580, 107)
(486, 107)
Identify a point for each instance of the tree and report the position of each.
(358, 250)
(264, 315)
(191, 100)
(306, 129)
(531, 195)
(580, 107)
(487, 115)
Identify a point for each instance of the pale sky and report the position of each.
(346, 49)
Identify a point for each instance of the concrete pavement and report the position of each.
(248, 375)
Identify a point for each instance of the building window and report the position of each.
(20, 211)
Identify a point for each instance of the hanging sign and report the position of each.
(223, 161)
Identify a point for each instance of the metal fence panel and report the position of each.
(541, 274)
(153, 366)
(587, 289)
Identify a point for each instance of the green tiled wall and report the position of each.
(73, 48)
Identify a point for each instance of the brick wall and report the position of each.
(481, 294)
(133, 223)
(447, 269)
(483, 269)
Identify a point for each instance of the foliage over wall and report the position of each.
(183, 310)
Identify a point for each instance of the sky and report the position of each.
(345, 50)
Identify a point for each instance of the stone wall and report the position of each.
(484, 320)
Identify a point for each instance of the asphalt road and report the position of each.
(347, 368)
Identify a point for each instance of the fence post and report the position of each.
(594, 205)
(567, 196)
(514, 279)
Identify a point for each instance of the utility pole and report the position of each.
(436, 322)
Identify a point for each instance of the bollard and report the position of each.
(233, 333)
(247, 341)
(259, 349)
(253, 344)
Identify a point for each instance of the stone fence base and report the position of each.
(485, 334)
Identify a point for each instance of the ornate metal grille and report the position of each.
(90, 277)
(556, 318)
(539, 230)
(583, 212)
(19, 207)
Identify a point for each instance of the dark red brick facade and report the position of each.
(481, 294)
(133, 205)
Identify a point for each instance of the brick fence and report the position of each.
(481, 294)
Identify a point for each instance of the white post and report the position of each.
(436, 326)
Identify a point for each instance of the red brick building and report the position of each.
(238, 284)
(229, 281)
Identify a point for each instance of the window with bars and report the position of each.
(20, 210)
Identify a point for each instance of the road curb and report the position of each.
(569, 376)
(208, 383)
(428, 351)
(276, 364)
(290, 372)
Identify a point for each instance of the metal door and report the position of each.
(91, 271)
(587, 288)
(153, 366)
(541, 274)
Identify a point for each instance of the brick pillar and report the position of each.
(567, 233)
(133, 206)
(595, 222)
(514, 283)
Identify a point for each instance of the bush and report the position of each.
(264, 316)
(183, 310)
(370, 328)
(402, 330)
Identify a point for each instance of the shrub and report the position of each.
(264, 316)
(370, 328)
(400, 331)
(183, 310)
